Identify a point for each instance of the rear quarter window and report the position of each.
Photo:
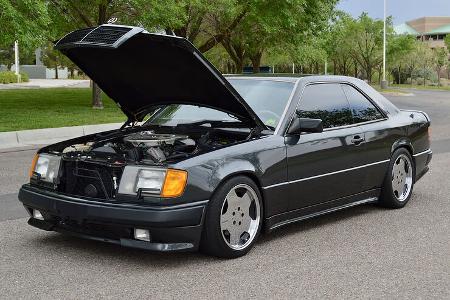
(362, 109)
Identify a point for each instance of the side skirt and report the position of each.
(301, 214)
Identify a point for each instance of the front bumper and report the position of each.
(172, 228)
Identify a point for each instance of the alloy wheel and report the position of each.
(402, 177)
(240, 217)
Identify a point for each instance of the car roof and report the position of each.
(270, 78)
(379, 99)
(305, 78)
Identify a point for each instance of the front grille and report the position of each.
(106, 35)
(89, 179)
(103, 35)
(109, 231)
(75, 36)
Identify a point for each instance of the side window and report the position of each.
(362, 109)
(326, 102)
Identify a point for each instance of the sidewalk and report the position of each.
(47, 83)
(32, 138)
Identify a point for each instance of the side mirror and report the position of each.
(300, 125)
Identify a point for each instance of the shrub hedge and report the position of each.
(10, 77)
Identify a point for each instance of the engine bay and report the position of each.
(150, 147)
(93, 166)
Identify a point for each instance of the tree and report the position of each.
(236, 49)
(412, 59)
(24, 21)
(54, 58)
(440, 58)
(219, 57)
(204, 22)
(425, 62)
(311, 54)
(398, 49)
(447, 41)
(336, 47)
(364, 38)
(275, 24)
(7, 56)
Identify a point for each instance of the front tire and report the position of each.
(233, 218)
(399, 182)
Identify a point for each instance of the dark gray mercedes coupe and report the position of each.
(208, 162)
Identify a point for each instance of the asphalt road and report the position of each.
(362, 252)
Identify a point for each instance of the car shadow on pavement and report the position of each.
(112, 251)
(63, 245)
(320, 221)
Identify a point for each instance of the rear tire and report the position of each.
(233, 219)
(399, 181)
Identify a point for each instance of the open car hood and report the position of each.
(139, 70)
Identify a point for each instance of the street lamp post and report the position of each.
(384, 83)
(16, 60)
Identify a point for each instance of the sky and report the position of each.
(400, 10)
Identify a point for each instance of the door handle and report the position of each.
(357, 140)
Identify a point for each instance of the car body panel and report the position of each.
(175, 228)
(263, 159)
(300, 176)
(315, 170)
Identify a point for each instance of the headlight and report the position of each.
(150, 181)
(46, 166)
(166, 183)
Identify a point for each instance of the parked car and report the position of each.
(210, 162)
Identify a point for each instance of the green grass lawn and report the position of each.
(421, 87)
(45, 108)
(398, 87)
(389, 90)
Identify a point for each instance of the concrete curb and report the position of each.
(47, 83)
(400, 94)
(26, 138)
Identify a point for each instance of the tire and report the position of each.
(233, 219)
(399, 181)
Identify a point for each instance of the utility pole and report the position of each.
(384, 83)
(16, 60)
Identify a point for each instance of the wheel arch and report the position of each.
(236, 168)
(247, 173)
(403, 143)
(251, 174)
(410, 149)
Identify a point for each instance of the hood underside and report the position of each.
(139, 70)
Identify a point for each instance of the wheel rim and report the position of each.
(402, 177)
(240, 215)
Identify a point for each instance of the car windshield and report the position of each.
(267, 98)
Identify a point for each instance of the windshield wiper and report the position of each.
(216, 123)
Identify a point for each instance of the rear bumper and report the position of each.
(173, 228)
(422, 160)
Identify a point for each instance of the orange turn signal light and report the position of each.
(33, 165)
(174, 183)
